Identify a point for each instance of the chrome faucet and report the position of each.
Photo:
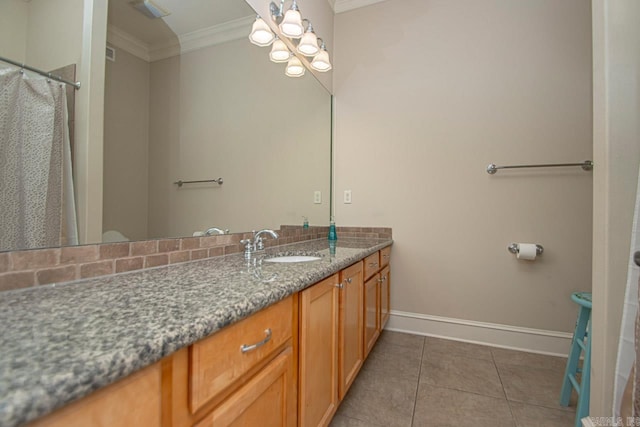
(257, 244)
(214, 230)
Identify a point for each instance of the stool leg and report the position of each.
(585, 383)
(574, 355)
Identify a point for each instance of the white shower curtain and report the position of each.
(37, 205)
(628, 345)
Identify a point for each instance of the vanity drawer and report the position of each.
(371, 265)
(385, 256)
(216, 362)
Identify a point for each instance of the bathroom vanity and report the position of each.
(222, 341)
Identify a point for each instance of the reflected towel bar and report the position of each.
(180, 182)
(587, 165)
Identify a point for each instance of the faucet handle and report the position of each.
(259, 243)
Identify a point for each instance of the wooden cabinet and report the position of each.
(264, 401)
(245, 374)
(371, 313)
(318, 364)
(351, 326)
(220, 360)
(133, 401)
(385, 296)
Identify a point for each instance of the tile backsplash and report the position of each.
(22, 269)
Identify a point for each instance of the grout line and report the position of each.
(495, 365)
(415, 399)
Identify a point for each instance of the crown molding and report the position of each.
(188, 42)
(199, 39)
(125, 41)
(340, 6)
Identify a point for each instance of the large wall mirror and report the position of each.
(188, 97)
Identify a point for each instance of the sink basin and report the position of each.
(293, 258)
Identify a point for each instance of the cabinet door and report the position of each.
(351, 348)
(371, 312)
(268, 399)
(385, 296)
(318, 390)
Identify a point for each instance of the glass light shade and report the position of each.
(291, 25)
(308, 44)
(321, 61)
(294, 68)
(279, 52)
(261, 34)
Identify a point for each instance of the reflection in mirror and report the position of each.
(188, 97)
(36, 127)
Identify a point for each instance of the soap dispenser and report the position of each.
(333, 236)
(305, 222)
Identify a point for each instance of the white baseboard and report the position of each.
(496, 335)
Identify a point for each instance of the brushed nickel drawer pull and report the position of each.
(373, 264)
(339, 285)
(246, 348)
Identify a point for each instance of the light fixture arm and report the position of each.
(277, 12)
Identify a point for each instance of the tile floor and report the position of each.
(411, 380)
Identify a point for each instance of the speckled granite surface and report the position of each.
(61, 342)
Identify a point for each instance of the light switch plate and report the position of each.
(317, 197)
(347, 196)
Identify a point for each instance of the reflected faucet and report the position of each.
(213, 230)
(257, 244)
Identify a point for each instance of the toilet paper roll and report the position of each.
(527, 251)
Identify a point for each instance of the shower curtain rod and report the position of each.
(43, 73)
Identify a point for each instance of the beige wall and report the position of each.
(427, 94)
(14, 16)
(267, 137)
(54, 35)
(616, 65)
(126, 145)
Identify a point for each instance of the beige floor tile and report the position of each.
(536, 386)
(538, 416)
(342, 421)
(377, 399)
(401, 339)
(442, 407)
(531, 360)
(461, 373)
(394, 361)
(458, 348)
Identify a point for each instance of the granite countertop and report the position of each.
(62, 342)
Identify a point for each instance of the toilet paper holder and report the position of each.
(514, 248)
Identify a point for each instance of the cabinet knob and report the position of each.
(339, 285)
(349, 279)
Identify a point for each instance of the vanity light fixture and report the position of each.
(294, 68)
(291, 25)
(261, 34)
(321, 62)
(304, 40)
(279, 51)
(308, 45)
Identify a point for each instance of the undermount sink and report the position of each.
(293, 258)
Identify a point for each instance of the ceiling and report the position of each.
(186, 17)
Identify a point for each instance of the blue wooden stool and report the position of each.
(581, 343)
